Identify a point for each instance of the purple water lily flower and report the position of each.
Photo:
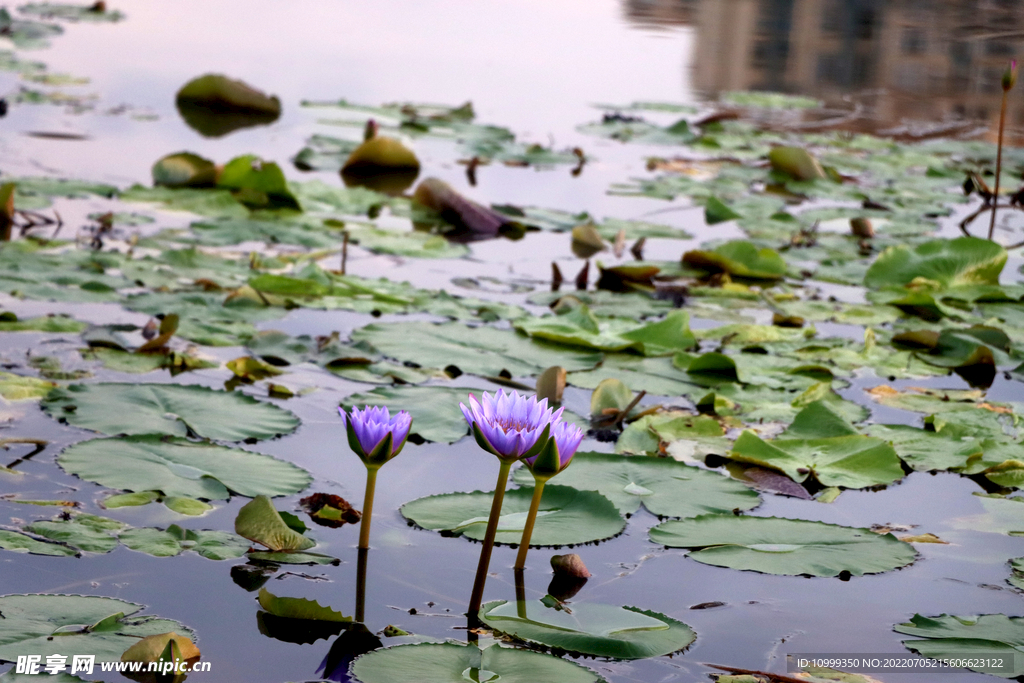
(509, 425)
(375, 435)
(565, 439)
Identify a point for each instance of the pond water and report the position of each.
(541, 69)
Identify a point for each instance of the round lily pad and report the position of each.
(665, 487)
(178, 467)
(784, 546)
(83, 625)
(590, 628)
(567, 516)
(450, 663)
(985, 638)
(168, 409)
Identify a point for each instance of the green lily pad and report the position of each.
(822, 443)
(85, 532)
(665, 487)
(590, 628)
(23, 543)
(784, 546)
(476, 350)
(450, 663)
(9, 322)
(925, 450)
(978, 636)
(136, 409)
(68, 12)
(1016, 578)
(178, 467)
(104, 627)
(938, 264)
(685, 436)
(739, 258)
(578, 327)
(567, 516)
(20, 388)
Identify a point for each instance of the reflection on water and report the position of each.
(887, 61)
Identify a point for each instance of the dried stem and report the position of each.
(999, 166)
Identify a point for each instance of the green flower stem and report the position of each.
(524, 545)
(999, 166)
(361, 584)
(364, 527)
(520, 593)
(492, 530)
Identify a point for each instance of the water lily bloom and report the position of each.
(376, 437)
(554, 457)
(509, 425)
(557, 454)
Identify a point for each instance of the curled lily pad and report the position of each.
(214, 105)
(822, 444)
(168, 409)
(566, 516)
(590, 628)
(448, 663)
(784, 546)
(259, 521)
(665, 487)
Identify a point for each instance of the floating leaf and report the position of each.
(19, 388)
(715, 211)
(177, 467)
(590, 628)
(823, 444)
(298, 608)
(23, 543)
(259, 521)
(665, 487)
(991, 637)
(579, 327)
(168, 409)
(476, 350)
(739, 258)
(938, 264)
(784, 546)
(260, 184)
(444, 663)
(152, 648)
(566, 516)
(31, 623)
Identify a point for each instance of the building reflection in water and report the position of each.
(895, 60)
